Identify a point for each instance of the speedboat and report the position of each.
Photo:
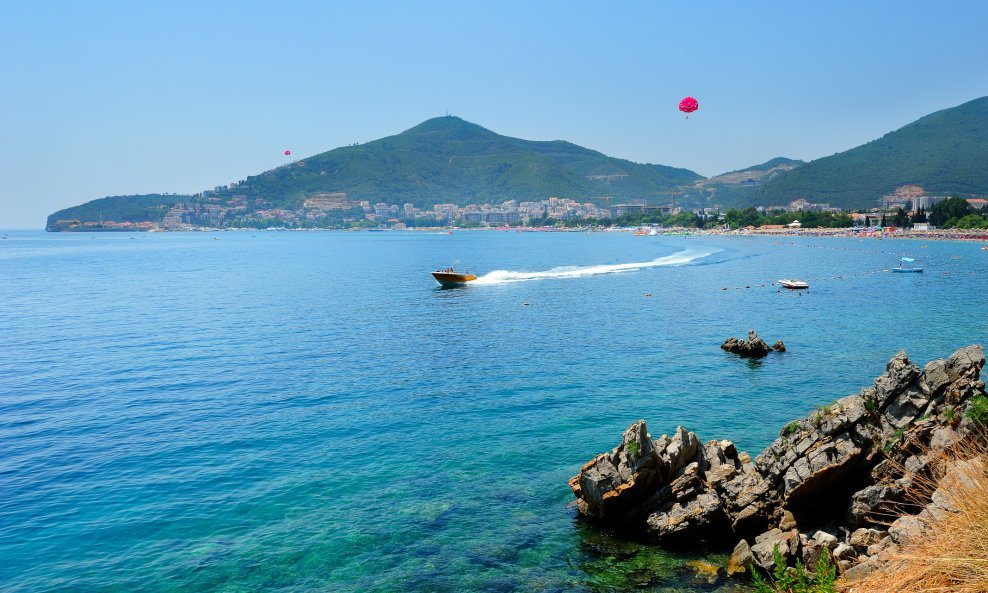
(910, 268)
(794, 284)
(450, 277)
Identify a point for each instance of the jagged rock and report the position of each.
(753, 347)
(899, 373)
(741, 559)
(846, 467)
(778, 346)
(765, 544)
(612, 483)
(698, 520)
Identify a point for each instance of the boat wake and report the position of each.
(506, 276)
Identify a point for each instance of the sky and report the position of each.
(105, 98)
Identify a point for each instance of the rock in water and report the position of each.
(778, 346)
(842, 468)
(753, 347)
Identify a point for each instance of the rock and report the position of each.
(778, 346)
(700, 520)
(899, 373)
(825, 539)
(864, 537)
(844, 552)
(856, 573)
(882, 545)
(753, 347)
(845, 467)
(904, 528)
(740, 560)
(935, 378)
(611, 484)
(787, 543)
(788, 521)
(812, 552)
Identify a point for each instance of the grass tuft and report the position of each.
(951, 552)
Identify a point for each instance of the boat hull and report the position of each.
(794, 284)
(908, 270)
(449, 279)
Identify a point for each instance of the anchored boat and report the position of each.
(912, 268)
(450, 277)
(794, 284)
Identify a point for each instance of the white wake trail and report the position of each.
(505, 276)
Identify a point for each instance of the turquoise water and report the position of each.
(308, 412)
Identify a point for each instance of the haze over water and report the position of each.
(308, 411)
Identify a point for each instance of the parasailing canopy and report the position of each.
(288, 153)
(688, 105)
(909, 259)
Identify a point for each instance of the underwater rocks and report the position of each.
(828, 485)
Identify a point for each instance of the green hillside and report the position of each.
(736, 188)
(149, 207)
(944, 152)
(449, 160)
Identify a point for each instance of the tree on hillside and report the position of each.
(742, 218)
(955, 208)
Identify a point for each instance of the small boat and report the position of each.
(911, 268)
(450, 277)
(794, 284)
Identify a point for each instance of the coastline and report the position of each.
(970, 235)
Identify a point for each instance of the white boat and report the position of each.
(910, 268)
(794, 284)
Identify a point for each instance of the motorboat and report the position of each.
(911, 268)
(450, 277)
(794, 284)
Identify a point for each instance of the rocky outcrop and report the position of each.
(830, 484)
(753, 347)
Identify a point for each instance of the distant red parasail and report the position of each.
(289, 153)
(688, 105)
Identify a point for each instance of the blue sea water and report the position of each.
(309, 412)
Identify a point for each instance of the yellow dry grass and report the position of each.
(951, 553)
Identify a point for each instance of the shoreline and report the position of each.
(969, 235)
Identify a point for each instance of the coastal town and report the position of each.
(901, 212)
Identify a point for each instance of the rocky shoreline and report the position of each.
(831, 483)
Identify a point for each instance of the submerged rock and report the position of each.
(839, 469)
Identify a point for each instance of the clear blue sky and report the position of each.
(108, 98)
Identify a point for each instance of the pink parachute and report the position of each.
(288, 153)
(688, 105)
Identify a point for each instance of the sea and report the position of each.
(310, 411)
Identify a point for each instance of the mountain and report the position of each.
(447, 159)
(736, 187)
(944, 153)
(442, 160)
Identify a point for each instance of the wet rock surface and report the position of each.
(753, 347)
(832, 483)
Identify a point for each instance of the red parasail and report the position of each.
(288, 153)
(688, 105)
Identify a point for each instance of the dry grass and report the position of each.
(951, 554)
